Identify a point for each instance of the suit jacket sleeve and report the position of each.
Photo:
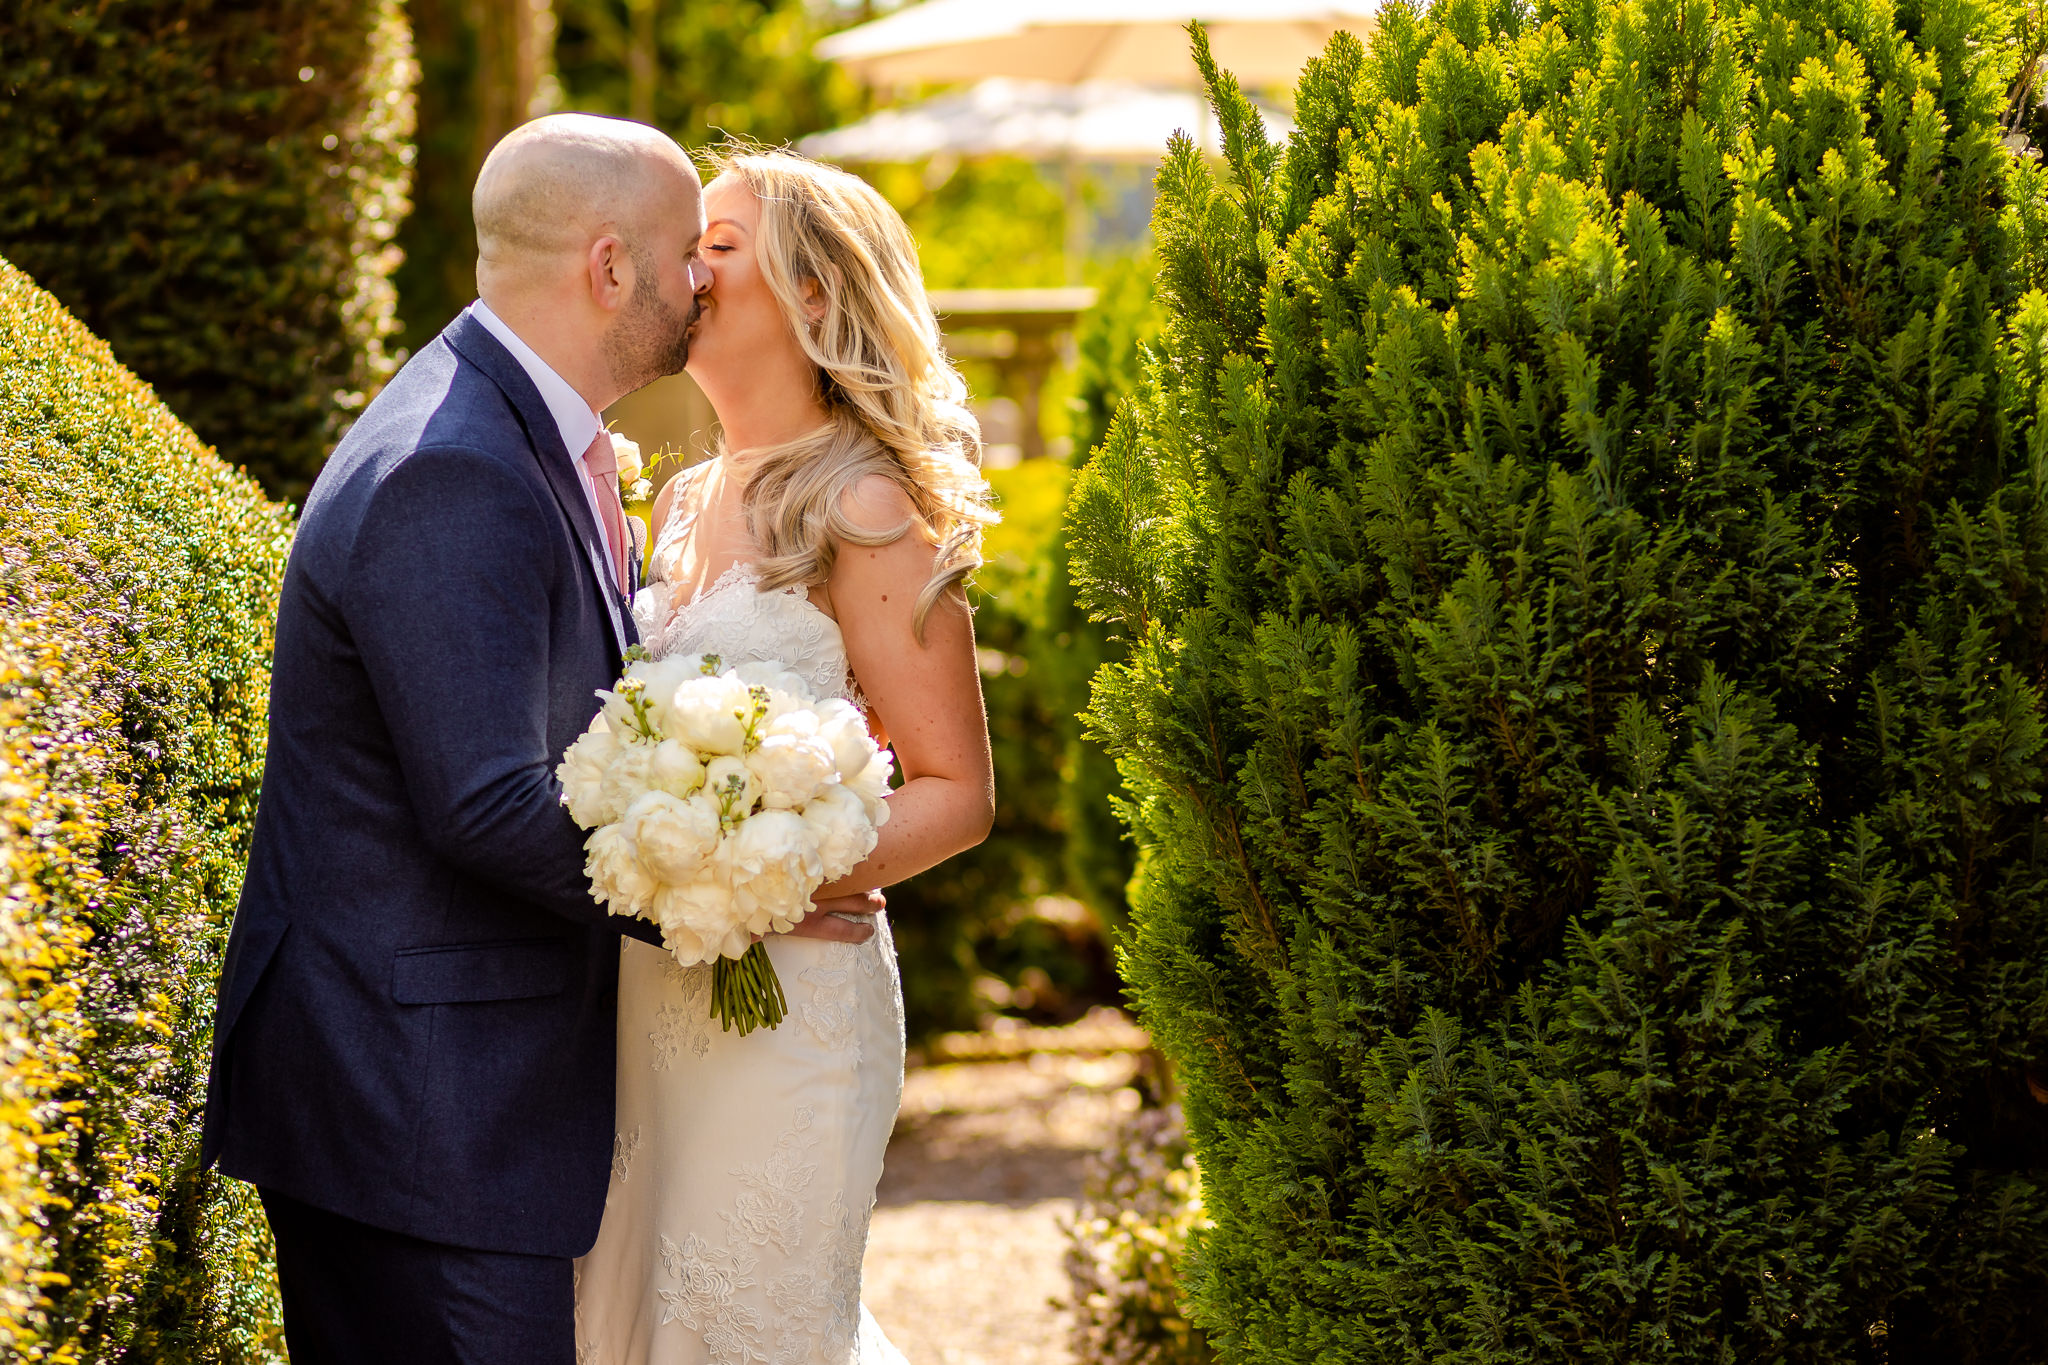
(447, 599)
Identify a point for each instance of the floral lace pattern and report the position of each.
(709, 1302)
(792, 629)
(683, 1022)
(816, 1316)
(625, 1146)
(772, 1192)
(831, 1011)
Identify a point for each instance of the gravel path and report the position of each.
(964, 1257)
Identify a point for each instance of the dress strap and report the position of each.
(681, 517)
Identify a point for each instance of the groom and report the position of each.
(413, 1045)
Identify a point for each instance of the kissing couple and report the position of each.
(488, 1121)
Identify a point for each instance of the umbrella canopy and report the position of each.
(1037, 120)
(1265, 42)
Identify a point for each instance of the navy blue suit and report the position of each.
(415, 1021)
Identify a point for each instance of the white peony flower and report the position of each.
(673, 837)
(698, 919)
(799, 720)
(775, 868)
(662, 678)
(773, 676)
(581, 773)
(708, 714)
(782, 705)
(695, 665)
(617, 876)
(841, 725)
(625, 777)
(871, 785)
(731, 786)
(791, 768)
(674, 769)
(838, 821)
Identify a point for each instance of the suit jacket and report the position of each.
(415, 1019)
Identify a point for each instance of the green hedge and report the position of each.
(213, 186)
(1586, 547)
(139, 574)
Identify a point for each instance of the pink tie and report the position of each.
(601, 467)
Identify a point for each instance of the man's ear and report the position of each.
(611, 273)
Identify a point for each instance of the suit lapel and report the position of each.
(476, 345)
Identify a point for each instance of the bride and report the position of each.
(831, 532)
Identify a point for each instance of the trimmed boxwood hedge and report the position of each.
(139, 575)
(214, 186)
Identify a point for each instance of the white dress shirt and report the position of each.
(573, 418)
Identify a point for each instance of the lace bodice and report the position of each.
(734, 618)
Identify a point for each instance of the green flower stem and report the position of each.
(747, 994)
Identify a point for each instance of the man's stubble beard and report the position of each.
(651, 339)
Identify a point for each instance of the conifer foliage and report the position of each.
(1583, 543)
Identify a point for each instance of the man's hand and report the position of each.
(825, 922)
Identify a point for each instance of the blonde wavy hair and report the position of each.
(896, 405)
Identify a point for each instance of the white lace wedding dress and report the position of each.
(744, 1169)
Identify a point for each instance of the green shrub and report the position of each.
(139, 574)
(214, 187)
(703, 69)
(436, 277)
(1586, 545)
(1141, 1201)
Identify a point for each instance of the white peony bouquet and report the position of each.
(718, 800)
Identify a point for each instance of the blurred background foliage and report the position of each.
(1022, 925)
(213, 187)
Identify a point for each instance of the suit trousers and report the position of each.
(358, 1295)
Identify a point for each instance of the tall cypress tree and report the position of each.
(1584, 544)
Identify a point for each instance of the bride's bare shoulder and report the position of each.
(877, 505)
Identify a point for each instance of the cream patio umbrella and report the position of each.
(1264, 42)
(1036, 120)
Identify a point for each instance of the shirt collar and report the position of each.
(573, 418)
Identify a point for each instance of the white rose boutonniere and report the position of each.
(633, 487)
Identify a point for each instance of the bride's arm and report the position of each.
(925, 693)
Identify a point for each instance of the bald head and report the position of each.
(587, 236)
(554, 185)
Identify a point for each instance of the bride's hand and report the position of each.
(826, 922)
